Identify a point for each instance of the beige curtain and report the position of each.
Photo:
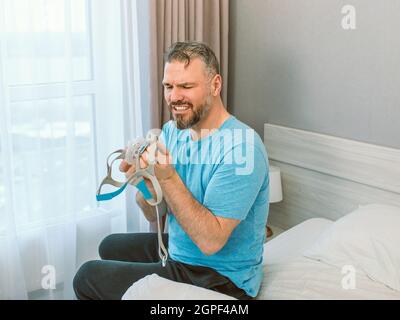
(184, 20)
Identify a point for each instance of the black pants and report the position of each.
(127, 258)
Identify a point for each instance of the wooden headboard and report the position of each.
(326, 176)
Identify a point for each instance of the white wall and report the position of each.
(292, 63)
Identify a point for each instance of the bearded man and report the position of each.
(213, 172)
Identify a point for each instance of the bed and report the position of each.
(288, 274)
(341, 213)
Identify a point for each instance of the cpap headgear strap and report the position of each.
(132, 156)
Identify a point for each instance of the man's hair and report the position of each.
(185, 51)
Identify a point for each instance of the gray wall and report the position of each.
(291, 63)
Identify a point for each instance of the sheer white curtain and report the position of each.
(137, 93)
(61, 113)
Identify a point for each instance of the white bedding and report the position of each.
(290, 275)
(287, 274)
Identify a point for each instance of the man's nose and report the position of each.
(175, 95)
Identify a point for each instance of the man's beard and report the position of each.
(197, 114)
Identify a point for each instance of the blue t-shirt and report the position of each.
(227, 172)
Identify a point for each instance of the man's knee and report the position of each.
(83, 279)
(106, 247)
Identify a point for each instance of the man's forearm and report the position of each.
(197, 221)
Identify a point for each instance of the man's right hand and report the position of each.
(148, 211)
(129, 170)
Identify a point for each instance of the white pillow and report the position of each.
(154, 287)
(367, 239)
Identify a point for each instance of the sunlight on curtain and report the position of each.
(135, 34)
(61, 113)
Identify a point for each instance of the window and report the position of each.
(39, 35)
(61, 104)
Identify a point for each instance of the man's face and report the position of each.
(187, 91)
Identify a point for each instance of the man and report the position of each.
(216, 198)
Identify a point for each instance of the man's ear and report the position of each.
(216, 85)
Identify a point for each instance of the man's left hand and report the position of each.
(163, 169)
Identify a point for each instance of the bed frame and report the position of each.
(326, 176)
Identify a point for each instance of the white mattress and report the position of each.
(290, 275)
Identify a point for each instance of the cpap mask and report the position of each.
(132, 156)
